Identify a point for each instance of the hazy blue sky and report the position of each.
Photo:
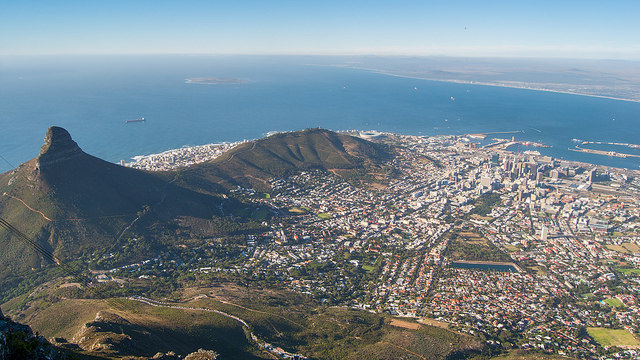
(541, 28)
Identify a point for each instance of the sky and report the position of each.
(515, 28)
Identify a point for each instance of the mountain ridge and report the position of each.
(74, 205)
(251, 164)
(70, 202)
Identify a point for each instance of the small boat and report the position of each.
(136, 120)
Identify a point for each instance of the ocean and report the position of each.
(93, 96)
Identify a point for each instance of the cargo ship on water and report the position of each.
(136, 120)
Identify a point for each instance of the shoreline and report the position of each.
(139, 159)
(470, 82)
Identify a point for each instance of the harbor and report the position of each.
(604, 152)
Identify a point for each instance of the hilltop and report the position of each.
(72, 204)
(251, 164)
(77, 206)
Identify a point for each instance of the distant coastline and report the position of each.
(193, 154)
(513, 84)
(215, 81)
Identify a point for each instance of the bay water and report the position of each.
(93, 96)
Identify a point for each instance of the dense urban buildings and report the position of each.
(523, 250)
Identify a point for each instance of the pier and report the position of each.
(603, 152)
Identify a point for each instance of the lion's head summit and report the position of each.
(58, 147)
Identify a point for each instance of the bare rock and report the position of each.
(58, 148)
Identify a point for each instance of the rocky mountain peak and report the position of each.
(58, 147)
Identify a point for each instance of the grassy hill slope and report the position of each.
(73, 204)
(252, 163)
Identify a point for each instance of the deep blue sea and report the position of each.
(92, 97)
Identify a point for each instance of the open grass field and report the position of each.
(470, 235)
(614, 302)
(625, 248)
(633, 248)
(265, 195)
(618, 248)
(630, 271)
(481, 217)
(405, 324)
(298, 210)
(613, 337)
(436, 323)
(511, 247)
(368, 268)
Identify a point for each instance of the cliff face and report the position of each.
(58, 148)
(4, 350)
(17, 341)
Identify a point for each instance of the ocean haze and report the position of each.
(93, 96)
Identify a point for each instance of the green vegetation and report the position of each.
(472, 247)
(289, 320)
(299, 210)
(22, 347)
(625, 248)
(324, 216)
(630, 271)
(613, 302)
(339, 333)
(250, 164)
(511, 248)
(368, 268)
(13, 286)
(485, 203)
(612, 337)
(87, 208)
(136, 329)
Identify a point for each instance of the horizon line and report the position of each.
(372, 54)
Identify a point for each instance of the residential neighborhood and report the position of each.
(523, 250)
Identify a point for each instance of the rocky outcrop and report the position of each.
(17, 341)
(58, 148)
(202, 354)
(113, 335)
(168, 356)
(4, 351)
(107, 333)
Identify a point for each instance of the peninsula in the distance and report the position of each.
(215, 81)
(613, 79)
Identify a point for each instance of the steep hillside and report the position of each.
(72, 203)
(252, 163)
(17, 341)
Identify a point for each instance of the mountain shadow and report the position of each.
(72, 203)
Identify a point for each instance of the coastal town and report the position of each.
(522, 250)
(182, 157)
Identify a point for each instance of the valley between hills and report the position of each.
(320, 245)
